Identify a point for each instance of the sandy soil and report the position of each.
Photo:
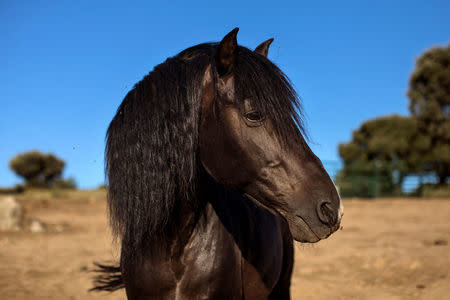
(388, 249)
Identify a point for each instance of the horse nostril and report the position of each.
(326, 214)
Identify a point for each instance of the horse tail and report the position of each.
(108, 278)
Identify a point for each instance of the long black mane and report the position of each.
(152, 142)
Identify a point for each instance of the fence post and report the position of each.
(420, 188)
(352, 176)
(375, 181)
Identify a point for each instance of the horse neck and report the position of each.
(189, 216)
(186, 221)
(229, 205)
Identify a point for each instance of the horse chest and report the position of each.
(220, 261)
(214, 264)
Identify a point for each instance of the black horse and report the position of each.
(210, 179)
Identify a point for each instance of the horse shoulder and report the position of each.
(210, 257)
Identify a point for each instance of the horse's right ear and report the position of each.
(263, 48)
(226, 53)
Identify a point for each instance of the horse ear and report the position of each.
(226, 54)
(263, 48)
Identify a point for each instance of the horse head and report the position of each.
(250, 139)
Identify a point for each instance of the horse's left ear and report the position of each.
(226, 54)
(263, 48)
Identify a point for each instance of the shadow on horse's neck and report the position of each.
(246, 221)
(240, 216)
(254, 229)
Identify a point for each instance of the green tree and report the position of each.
(382, 152)
(53, 168)
(429, 94)
(37, 169)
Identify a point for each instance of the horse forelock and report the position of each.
(271, 92)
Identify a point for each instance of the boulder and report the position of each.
(11, 214)
(37, 226)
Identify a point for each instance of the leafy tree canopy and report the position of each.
(381, 153)
(36, 168)
(387, 139)
(429, 95)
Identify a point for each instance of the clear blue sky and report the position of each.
(65, 66)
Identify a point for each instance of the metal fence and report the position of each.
(376, 180)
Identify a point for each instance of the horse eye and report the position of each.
(254, 116)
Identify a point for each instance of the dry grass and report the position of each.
(388, 249)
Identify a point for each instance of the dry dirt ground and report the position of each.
(388, 249)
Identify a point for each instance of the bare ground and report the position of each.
(388, 249)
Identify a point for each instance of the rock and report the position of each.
(37, 226)
(420, 286)
(59, 228)
(440, 242)
(11, 214)
(83, 268)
